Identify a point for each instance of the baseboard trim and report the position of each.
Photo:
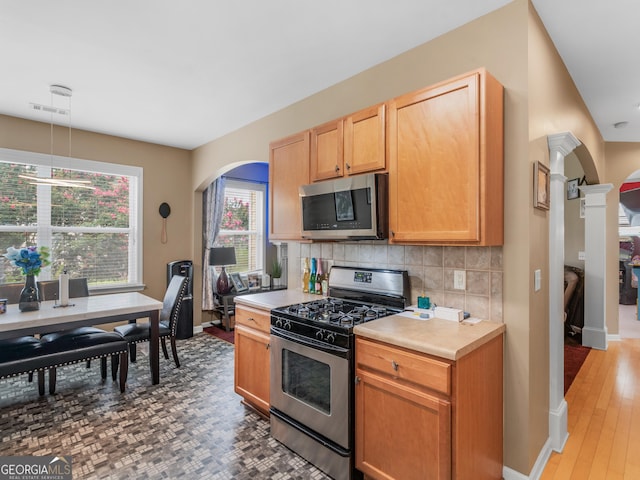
(536, 471)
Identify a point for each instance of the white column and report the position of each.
(560, 146)
(594, 332)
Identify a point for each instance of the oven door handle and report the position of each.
(311, 343)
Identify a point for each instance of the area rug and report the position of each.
(574, 357)
(221, 333)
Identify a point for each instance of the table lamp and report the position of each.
(221, 257)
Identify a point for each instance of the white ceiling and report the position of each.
(185, 73)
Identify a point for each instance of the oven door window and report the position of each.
(307, 380)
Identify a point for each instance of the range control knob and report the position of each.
(279, 322)
(287, 324)
(330, 338)
(320, 335)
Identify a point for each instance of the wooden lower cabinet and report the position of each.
(421, 417)
(387, 412)
(252, 357)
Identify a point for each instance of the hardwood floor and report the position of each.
(604, 418)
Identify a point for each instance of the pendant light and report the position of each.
(62, 91)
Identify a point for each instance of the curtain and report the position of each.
(212, 210)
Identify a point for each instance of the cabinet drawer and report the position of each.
(254, 318)
(404, 365)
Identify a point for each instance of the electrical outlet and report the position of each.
(580, 255)
(537, 280)
(459, 279)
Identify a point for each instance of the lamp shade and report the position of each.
(221, 256)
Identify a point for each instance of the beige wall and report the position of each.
(555, 106)
(167, 176)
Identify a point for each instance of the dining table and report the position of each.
(87, 311)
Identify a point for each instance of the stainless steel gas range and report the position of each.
(312, 364)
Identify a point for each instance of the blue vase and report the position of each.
(29, 298)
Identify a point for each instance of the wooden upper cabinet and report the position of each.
(327, 150)
(446, 163)
(288, 169)
(350, 145)
(364, 141)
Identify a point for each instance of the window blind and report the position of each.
(91, 233)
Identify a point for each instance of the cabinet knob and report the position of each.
(394, 365)
(250, 319)
(357, 380)
(348, 167)
(337, 168)
(268, 346)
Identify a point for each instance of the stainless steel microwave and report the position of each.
(349, 208)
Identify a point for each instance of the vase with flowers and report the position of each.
(30, 260)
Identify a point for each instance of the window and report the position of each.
(243, 224)
(91, 232)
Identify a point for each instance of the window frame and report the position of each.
(261, 233)
(46, 162)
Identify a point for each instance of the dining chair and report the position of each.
(49, 289)
(11, 291)
(140, 332)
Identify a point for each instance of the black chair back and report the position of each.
(172, 302)
(11, 291)
(49, 289)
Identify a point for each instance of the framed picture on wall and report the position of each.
(238, 283)
(541, 181)
(572, 189)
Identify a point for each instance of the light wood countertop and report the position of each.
(275, 299)
(442, 338)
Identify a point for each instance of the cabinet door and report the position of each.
(252, 364)
(288, 169)
(446, 163)
(364, 141)
(327, 151)
(401, 433)
(435, 164)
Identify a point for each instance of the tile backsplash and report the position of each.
(431, 270)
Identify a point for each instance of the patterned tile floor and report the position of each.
(192, 425)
